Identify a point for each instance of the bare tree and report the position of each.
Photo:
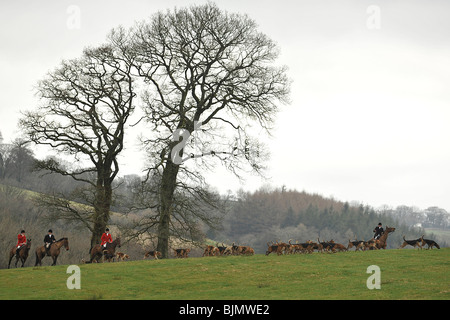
(196, 208)
(210, 77)
(86, 103)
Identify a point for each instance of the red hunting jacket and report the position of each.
(21, 240)
(106, 237)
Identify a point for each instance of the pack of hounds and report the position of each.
(320, 246)
(419, 243)
(333, 247)
(120, 256)
(225, 250)
(218, 250)
(184, 252)
(280, 248)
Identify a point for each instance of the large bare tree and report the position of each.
(210, 77)
(85, 105)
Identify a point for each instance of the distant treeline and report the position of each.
(279, 214)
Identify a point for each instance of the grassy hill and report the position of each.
(405, 274)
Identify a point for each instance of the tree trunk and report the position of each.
(168, 184)
(102, 206)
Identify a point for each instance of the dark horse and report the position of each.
(23, 253)
(53, 251)
(98, 250)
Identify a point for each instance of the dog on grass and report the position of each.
(415, 243)
(358, 244)
(181, 253)
(154, 254)
(431, 243)
(120, 256)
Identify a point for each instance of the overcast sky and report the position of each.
(370, 114)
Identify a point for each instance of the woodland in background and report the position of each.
(272, 214)
(253, 218)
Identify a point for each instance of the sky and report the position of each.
(369, 118)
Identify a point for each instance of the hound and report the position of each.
(211, 251)
(271, 248)
(430, 243)
(238, 250)
(306, 247)
(340, 247)
(328, 246)
(221, 249)
(234, 249)
(181, 253)
(358, 244)
(120, 256)
(370, 245)
(228, 251)
(282, 248)
(248, 251)
(314, 246)
(417, 242)
(154, 254)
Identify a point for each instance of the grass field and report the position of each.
(405, 274)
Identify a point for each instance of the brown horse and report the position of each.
(53, 251)
(382, 241)
(23, 253)
(98, 250)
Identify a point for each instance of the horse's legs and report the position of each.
(10, 258)
(38, 259)
(54, 260)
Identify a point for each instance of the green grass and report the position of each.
(405, 274)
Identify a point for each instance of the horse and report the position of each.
(23, 253)
(381, 242)
(98, 250)
(53, 251)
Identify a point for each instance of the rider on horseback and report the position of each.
(48, 240)
(21, 241)
(106, 238)
(378, 231)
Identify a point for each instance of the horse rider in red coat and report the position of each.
(21, 241)
(106, 237)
